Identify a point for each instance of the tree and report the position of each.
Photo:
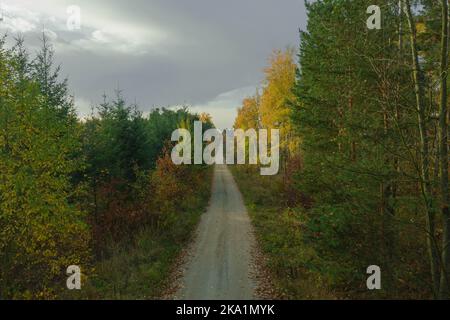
(248, 115)
(42, 231)
(352, 113)
(277, 96)
(443, 154)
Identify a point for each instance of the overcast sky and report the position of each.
(208, 54)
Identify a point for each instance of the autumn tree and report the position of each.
(248, 116)
(277, 97)
(42, 231)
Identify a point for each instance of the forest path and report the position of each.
(220, 263)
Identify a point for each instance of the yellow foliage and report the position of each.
(277, 93)
(248, 114)
(421, 27)
(273, 109)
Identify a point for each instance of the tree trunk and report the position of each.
(443, 156)
(424, 146)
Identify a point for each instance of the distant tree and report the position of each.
(42, 231)
(248, 115)
(276, 100)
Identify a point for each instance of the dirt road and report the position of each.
(219, 265)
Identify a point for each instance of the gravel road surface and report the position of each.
(220, 260)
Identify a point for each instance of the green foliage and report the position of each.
(352, 196)
(42, 231)
(280, 232)
(356, 119)
(139, 267)
(72, 191)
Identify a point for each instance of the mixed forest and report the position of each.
(100, 193)
(364, 117)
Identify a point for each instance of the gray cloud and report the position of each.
(163, 52)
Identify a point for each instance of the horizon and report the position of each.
(208, 56)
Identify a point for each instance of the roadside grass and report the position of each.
(139, 268)
(279, 232)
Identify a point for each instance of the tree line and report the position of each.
(364, 115)
(70, 188)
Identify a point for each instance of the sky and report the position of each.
(207, 54)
